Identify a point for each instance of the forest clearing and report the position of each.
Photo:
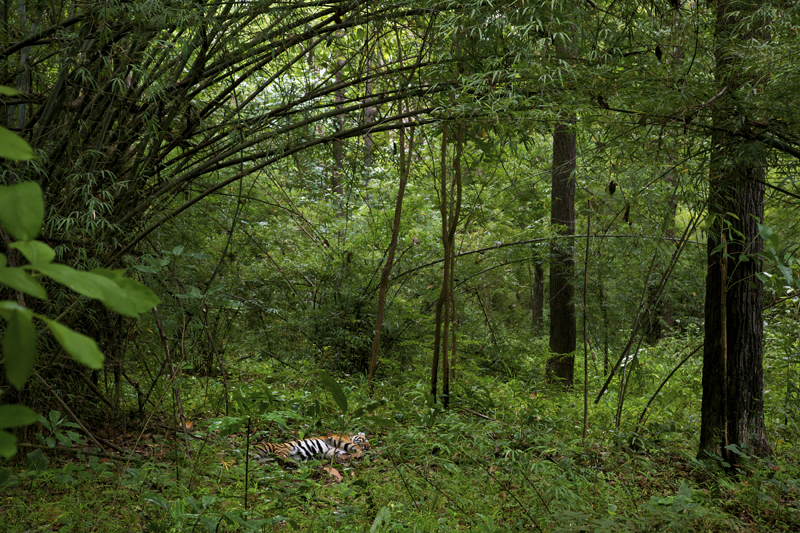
(347, 265)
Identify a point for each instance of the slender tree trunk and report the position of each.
(338, 143)
(437, 332)
(450, 302)
(560, 368)
(450, 210)
(601, 296)
(733, 409)
(405, 168)
(369, 117)
(537, 297)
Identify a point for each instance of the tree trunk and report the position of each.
(733, 409)
(537, 297)
(338, 143)
(450, 209)
(560, 367)
(387, 266)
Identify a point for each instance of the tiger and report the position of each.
(328, 446)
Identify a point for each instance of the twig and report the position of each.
(95, 390)
(522, 506)
(247, 464)
(73, 450)
(77, 420)
(585, 341)
(653, 397)
(177, 430)
(656, 294)
(273, 356)
(481, 415)
(408, 489)
(175, 391)
(221, 369)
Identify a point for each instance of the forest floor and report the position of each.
(506, 457)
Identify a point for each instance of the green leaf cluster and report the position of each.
(22, 215)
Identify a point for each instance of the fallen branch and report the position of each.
(476, 413)
(73, 450)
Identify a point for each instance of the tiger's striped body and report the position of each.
(315, 447)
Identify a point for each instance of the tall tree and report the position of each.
(732, 409)
(405, 169)
(450, 195)
(560, 367)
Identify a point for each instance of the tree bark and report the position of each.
(537, 297)
(733, 408)
(450, 209)
(560, 367)
(338, 143)
(405, 168)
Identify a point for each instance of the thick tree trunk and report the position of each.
(562, 216)
(732, 409)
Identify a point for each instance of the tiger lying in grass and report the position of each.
(331, 445)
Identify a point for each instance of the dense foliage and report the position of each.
(243, 161)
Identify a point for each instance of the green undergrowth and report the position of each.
(508, 456)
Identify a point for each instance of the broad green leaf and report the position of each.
(12, 416)
(19, 346)
(336, 391)
(371, 406)
(36, 460)
(141, 295)
(3, 260)
(787, 273)
(36, 252)
(378, 421)
(19, 280)
(21, 209)
(382, 520)
(77, 280)
(7, 307)
(764, 231)
(80, 347)
(8, 445)
(14, 147)
(126, 297)
(8, 91)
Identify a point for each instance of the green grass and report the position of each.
(521, 466)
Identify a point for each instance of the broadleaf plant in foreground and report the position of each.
(22, 215)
